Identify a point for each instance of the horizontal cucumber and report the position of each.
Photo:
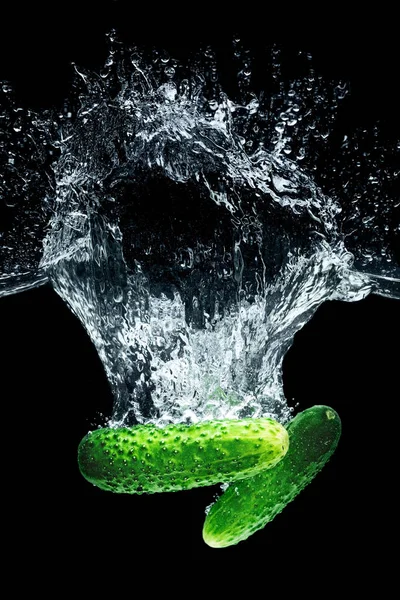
(148, 459)
(248, 505)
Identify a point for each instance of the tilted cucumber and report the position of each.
(248, 505)
(147, 459)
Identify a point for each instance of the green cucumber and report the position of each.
(148, 459)
(248, 505)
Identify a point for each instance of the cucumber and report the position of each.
(248, 505)
(148, 459)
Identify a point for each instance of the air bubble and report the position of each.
(169, 71)
(164, 56)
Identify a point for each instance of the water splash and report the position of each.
(192, 232)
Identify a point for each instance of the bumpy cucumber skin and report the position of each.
(248, 505)
(149, 459)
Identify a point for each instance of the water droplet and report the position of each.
(169, 71)
(17, 125)
(164, 57)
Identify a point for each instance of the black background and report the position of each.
(53, 388)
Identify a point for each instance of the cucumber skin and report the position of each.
(250, 504)
(149, 459)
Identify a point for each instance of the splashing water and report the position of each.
(192, 234)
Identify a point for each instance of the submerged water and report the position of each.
(194, 233)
